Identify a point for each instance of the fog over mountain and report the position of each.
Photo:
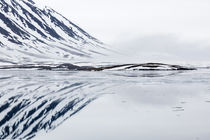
(161, 31)
(153, 30)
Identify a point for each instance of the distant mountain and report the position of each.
(29, 34)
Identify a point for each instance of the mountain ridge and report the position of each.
(30, 34)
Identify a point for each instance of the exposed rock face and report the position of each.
(31, 35)
(71, 67)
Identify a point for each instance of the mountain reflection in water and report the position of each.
(33, 101)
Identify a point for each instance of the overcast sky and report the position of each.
(120, 22)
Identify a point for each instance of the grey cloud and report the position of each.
(164, 48)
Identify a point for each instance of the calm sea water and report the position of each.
(125, 105)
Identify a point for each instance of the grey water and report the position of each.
(78, 105)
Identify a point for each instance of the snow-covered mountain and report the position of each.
(29, 34)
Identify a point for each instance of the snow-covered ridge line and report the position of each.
(71, 67)
(29, 34)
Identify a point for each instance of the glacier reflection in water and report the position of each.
(34, 101)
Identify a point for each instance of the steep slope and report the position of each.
(29, 34)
